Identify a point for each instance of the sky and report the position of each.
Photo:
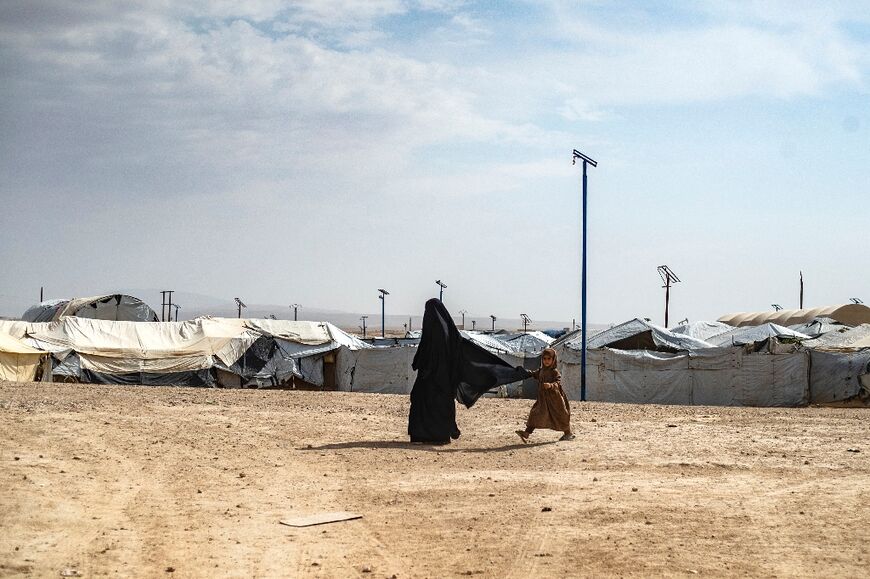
(314, 151)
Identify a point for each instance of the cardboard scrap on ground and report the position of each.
(320, 519)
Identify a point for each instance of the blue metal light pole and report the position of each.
(585, 159)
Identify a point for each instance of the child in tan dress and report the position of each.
(551, 409)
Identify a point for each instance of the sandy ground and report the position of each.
(167, 482)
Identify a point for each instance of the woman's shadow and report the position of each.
(401, 444)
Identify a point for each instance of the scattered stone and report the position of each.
(170, 569)
(672, 425)
(806, 462)
(595, 479)
(16, 458)
(593, 420)
(366, 568)
(546, 509)
(315, 564)
(847, 450)
(69, 572)
(634, 489)
(492, 494)
(241, 475)
(198, 491)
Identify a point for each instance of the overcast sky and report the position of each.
(316, 150)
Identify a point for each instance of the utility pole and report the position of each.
(668, 276)
(856, 300)
(40, 294)
(363, 318)
(776, 307)
(586, 160)
(164, 309)
(493, 322)
(177, 307)
(473, 325)
(802, 290)
(463, 312)
(441, 285)
(526, 321)
(295, 308)
(410, 323)
(241, 305)
(382, 297)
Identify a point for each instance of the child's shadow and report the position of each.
(371, 444)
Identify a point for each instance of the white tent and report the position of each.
(18, 361)
(701, 330)
(714, 376)
(751, 334)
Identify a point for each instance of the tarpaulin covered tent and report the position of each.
(115, 307)
(848, 314)
(749, 335)
(635, 334)
(527, 343)
(711, 376)
(842, 339)
(18, 361)
(701, 330)
(643, 363)
(197, 352)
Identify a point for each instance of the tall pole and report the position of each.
(583, 298)
(668, 277)
(295, 309)
(363, 318)
(169, 309)
(383, 299)
(463, 312)
(40, 294)
(579, 155)
(441, 285)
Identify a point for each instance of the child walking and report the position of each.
(551, 409)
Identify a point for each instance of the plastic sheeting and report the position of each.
(383, 370)
(842, 339)
(836, 376)
(635, 334)
(115, 307)
(752, 334)
(702, 330)
(720, 376)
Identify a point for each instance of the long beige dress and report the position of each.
(551, 409)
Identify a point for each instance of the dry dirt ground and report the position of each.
(169, 482)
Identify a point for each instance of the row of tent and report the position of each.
(817, 361)
(713, 363)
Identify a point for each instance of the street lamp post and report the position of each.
(586, 161)
(295, 310)
(441, 285)
(493, 322)
(363, 318)
(382, 297)
(241, 305)
(463, 312)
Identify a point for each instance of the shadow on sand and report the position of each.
(372, 444)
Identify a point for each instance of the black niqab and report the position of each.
(449, 366)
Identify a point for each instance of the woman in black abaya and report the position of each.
(449, 367)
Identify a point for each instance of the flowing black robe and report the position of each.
(450, 367)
